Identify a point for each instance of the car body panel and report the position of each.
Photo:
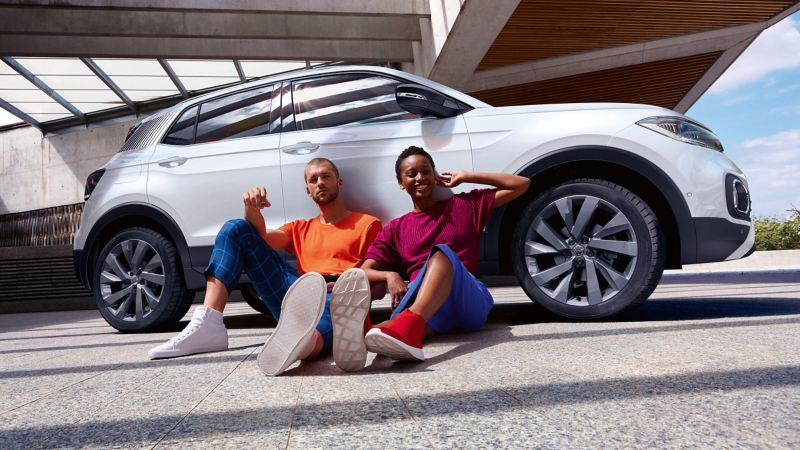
(206, 189)
(365, 156)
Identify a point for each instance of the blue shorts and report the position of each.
(466, 308)
(239, 247)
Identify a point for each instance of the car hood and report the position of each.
(560, 107)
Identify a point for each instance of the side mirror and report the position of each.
(423, 101)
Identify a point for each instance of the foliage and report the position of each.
(774, 234)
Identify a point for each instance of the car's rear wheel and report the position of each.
(251, 297)
(138, 281)
(588, 249)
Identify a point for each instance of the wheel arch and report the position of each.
(618, 166)
(135, 215)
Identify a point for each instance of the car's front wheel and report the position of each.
(588, 249)
(138, 281)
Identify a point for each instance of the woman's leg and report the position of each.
(444, 297)
(435, 288)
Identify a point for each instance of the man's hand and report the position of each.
(256, 198)
(396, 287)
(451, 179)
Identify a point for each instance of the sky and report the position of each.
(754, 108)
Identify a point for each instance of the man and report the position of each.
(331, 243)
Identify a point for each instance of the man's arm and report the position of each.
(508, 186)
(254, 201)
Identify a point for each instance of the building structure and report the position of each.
(75, 75)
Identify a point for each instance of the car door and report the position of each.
(211, 155)
(353, 119)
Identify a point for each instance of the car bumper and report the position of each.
(719, 239)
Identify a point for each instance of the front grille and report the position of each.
(146, 135)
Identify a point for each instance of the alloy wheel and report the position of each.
(580, 250)
(132, 280)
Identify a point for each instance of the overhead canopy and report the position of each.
(663, 52)
(75, 62)
(46, 92)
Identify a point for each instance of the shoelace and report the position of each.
(194, 324)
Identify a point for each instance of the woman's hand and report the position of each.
(396, 287)
(450, 179)
(256, 198)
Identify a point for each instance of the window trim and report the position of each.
(291, 81)
(175, 121)
(275, 85)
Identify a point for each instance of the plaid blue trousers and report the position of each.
(239, 247)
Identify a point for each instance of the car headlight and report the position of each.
(682, 129)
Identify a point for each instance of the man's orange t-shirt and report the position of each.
(331, 248)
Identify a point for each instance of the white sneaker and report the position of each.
(205, 333)
(301, 309)
(350, 302)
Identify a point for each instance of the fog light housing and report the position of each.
(738, 197)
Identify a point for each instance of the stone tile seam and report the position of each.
(40, 443)
(53, 392)
(83, 418)
(222, 380)
(413, 418)
(294, 413)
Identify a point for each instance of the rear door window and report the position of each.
(239, 115)
(347, 99)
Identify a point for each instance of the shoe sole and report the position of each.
(383, 344)
(176, 353)
(301, 310)
(350, 303)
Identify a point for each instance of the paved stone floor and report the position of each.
(706, 362)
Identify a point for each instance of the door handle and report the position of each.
(301, 148)
(175, 161)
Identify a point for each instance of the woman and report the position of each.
(436, 245)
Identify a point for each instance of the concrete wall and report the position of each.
(40, 172)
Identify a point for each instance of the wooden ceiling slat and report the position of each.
(661, 83)
(541, 29)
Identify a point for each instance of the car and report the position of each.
(619, 192)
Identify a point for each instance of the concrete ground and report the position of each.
(709, 361)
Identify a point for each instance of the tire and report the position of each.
(609, 268)
(251, 297)
(129, 301)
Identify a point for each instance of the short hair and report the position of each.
(318, 161)
(410, 151)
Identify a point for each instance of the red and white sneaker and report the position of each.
(399, 339)
(350, 303)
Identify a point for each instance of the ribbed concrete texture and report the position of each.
(700, 365)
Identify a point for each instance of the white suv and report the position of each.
(619, 191)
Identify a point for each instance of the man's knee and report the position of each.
(236, 226)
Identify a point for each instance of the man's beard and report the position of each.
(332, 195)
